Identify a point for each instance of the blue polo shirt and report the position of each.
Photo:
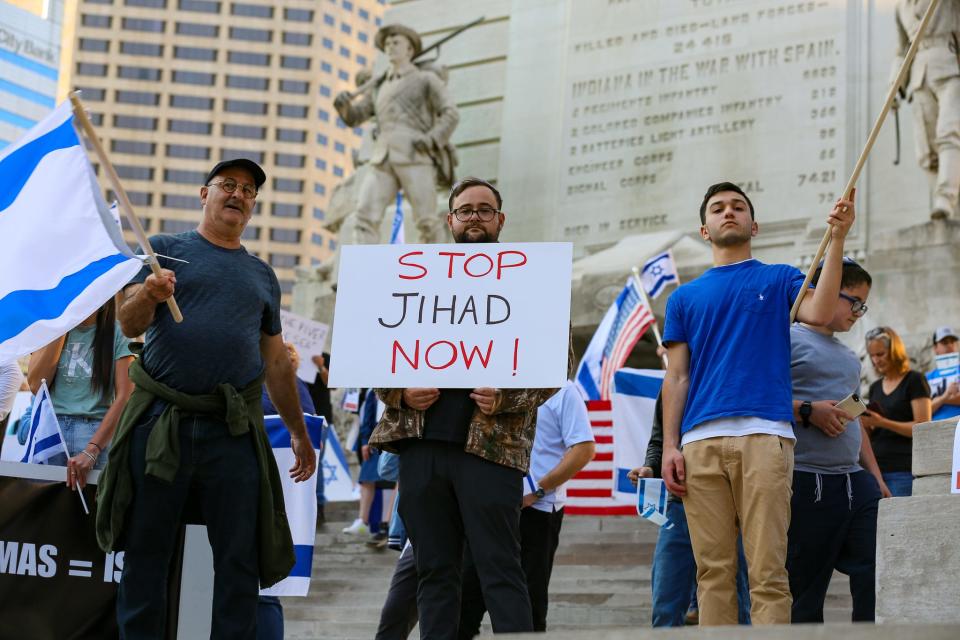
(736, 321)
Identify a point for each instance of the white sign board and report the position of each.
(452, 316)
(309, 337)
(948, 364)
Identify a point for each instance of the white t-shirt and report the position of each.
(562, 422)
(737, 426)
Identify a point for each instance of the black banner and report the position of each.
(55, 582)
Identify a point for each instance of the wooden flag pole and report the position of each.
(871, 139)
(646, 301)
(125, 205)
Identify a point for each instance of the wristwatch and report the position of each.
(539, 493)
(806, 408)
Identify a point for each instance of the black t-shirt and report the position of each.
(895, 452)
(448, 419)
(228, 298)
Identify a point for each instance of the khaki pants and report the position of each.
(740, 482)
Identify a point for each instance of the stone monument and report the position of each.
(415, 118)
(933, 88)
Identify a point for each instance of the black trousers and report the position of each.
(448, 497)
(399, 614)
(539, 537)
(833, 526)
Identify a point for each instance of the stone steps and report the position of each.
(601, 581)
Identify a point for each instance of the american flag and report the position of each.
(589, 493)
(632, 319)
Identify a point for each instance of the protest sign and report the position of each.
(309, 337)
(55, 582)
(452, 315)
(948, 367)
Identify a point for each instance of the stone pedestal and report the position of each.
(915, 283)
(933, 457)
(917, 554)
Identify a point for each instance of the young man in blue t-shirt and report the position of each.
(727, 403)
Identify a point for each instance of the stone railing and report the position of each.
(918, 538)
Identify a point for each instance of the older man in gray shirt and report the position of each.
(836, 481)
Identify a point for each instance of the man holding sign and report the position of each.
(464, 456)
(727, 403)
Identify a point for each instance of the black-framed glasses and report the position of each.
(485, 213)
(230, 186)
(857, 305)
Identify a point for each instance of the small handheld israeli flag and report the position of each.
(337, 483)
(657, 272)
(300, 499)
(44, 439)
(652, 502)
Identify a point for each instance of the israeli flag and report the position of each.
(657, 272)
(396, 231)
(652, 502)
(587, 379)
(45, 439)
(301, 503)
(337, 483)
(61, 253)
(633, 401)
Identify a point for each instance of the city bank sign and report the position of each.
(28, 48)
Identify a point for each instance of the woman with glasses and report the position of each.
(898, 400)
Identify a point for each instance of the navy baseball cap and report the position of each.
(259, 177)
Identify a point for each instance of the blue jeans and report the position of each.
(900, 483)
(78, 431)
(220, 473)
(674, 572)
(269, 618)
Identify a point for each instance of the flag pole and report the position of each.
(871, 139)
(81, 115)
(646, 301)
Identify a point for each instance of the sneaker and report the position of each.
(378, 540)
(358, 528)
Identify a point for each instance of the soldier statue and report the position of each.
(933, 87)
(411, 149)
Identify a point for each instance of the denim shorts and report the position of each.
(78, 431)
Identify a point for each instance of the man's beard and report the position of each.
(462, 237)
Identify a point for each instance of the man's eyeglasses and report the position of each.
(230, 186)
(856, 305)
(486, 214)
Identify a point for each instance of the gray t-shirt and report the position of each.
(821, 368)
(228, 298)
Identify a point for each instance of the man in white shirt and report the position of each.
(563, 446)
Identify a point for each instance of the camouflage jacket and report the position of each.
(504, 437)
